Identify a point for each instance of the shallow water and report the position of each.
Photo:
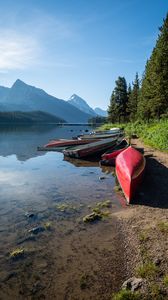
(65, 258)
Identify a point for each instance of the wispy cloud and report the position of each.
(35, 42)
(16, 50)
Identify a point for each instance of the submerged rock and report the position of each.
(92, 217)
(7, 276)
(102, 177)
(26, 239)
(30, 215)
(104, 204)
(17, 253)
(36, 230)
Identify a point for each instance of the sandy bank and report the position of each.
(145, 226)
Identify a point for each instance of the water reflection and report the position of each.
(23, 141)
(92, 162)
(82, 162)
(36, 183)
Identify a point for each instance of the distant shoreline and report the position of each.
(48, 123)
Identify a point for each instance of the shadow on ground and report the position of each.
(154, 189)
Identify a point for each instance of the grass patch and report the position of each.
(154, 134)
(117, 188)
(163, 226)
(104, 204)
(17, 253)
(165, 280)
(126, 295)
(65, 207)
(105, 213)
(48, 225)
(147, 270)
(84, 281)
(155, 292)
(143, 237)
(98, 212)
(94, 216)
(144, 253)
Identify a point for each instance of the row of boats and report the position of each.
(114, 151)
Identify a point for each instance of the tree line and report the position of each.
(144, 99)
(19, 117)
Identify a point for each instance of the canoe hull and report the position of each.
(108, 162)
(99, 136)
(112, 154)
(130, 166)
(90, 149)
(109, 157)
(68, 143)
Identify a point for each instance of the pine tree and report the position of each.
(133, 95)
(146, 94)
(153, 101)
(161, 69)
(129, 91)
(117, 110)
(113, 110)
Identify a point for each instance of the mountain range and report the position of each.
(83, 105)
(27, 98)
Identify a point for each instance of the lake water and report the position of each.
(43, 199)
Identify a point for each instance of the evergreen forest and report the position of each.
(145, 99)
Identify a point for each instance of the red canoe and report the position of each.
(130, 166)
(68, 143)
(117, 149)
(90, 149)
(109, 157)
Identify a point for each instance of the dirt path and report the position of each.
(145, 225)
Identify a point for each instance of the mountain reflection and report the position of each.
(24, 140)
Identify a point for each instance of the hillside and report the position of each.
(100, 112)
(28, 118)
(81, 104)
(26, 98)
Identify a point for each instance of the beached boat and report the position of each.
(67, 143)
(97, 136)
(109, 157)
(130, 166)
(63, 143)
(101, 134)
(111, 130)
(90, 149)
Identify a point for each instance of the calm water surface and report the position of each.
(64, 258)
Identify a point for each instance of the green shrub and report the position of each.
(127, 295)
(147, 270)
(154, 134)
(163, 226)
(165, 280)
(84, 281)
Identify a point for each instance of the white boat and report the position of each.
(102, 134)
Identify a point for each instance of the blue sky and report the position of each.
(77, 46)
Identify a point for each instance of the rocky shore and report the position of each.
(145, 228)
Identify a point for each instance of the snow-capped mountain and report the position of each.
(24, 97)
(81, 104)
(84, 106)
